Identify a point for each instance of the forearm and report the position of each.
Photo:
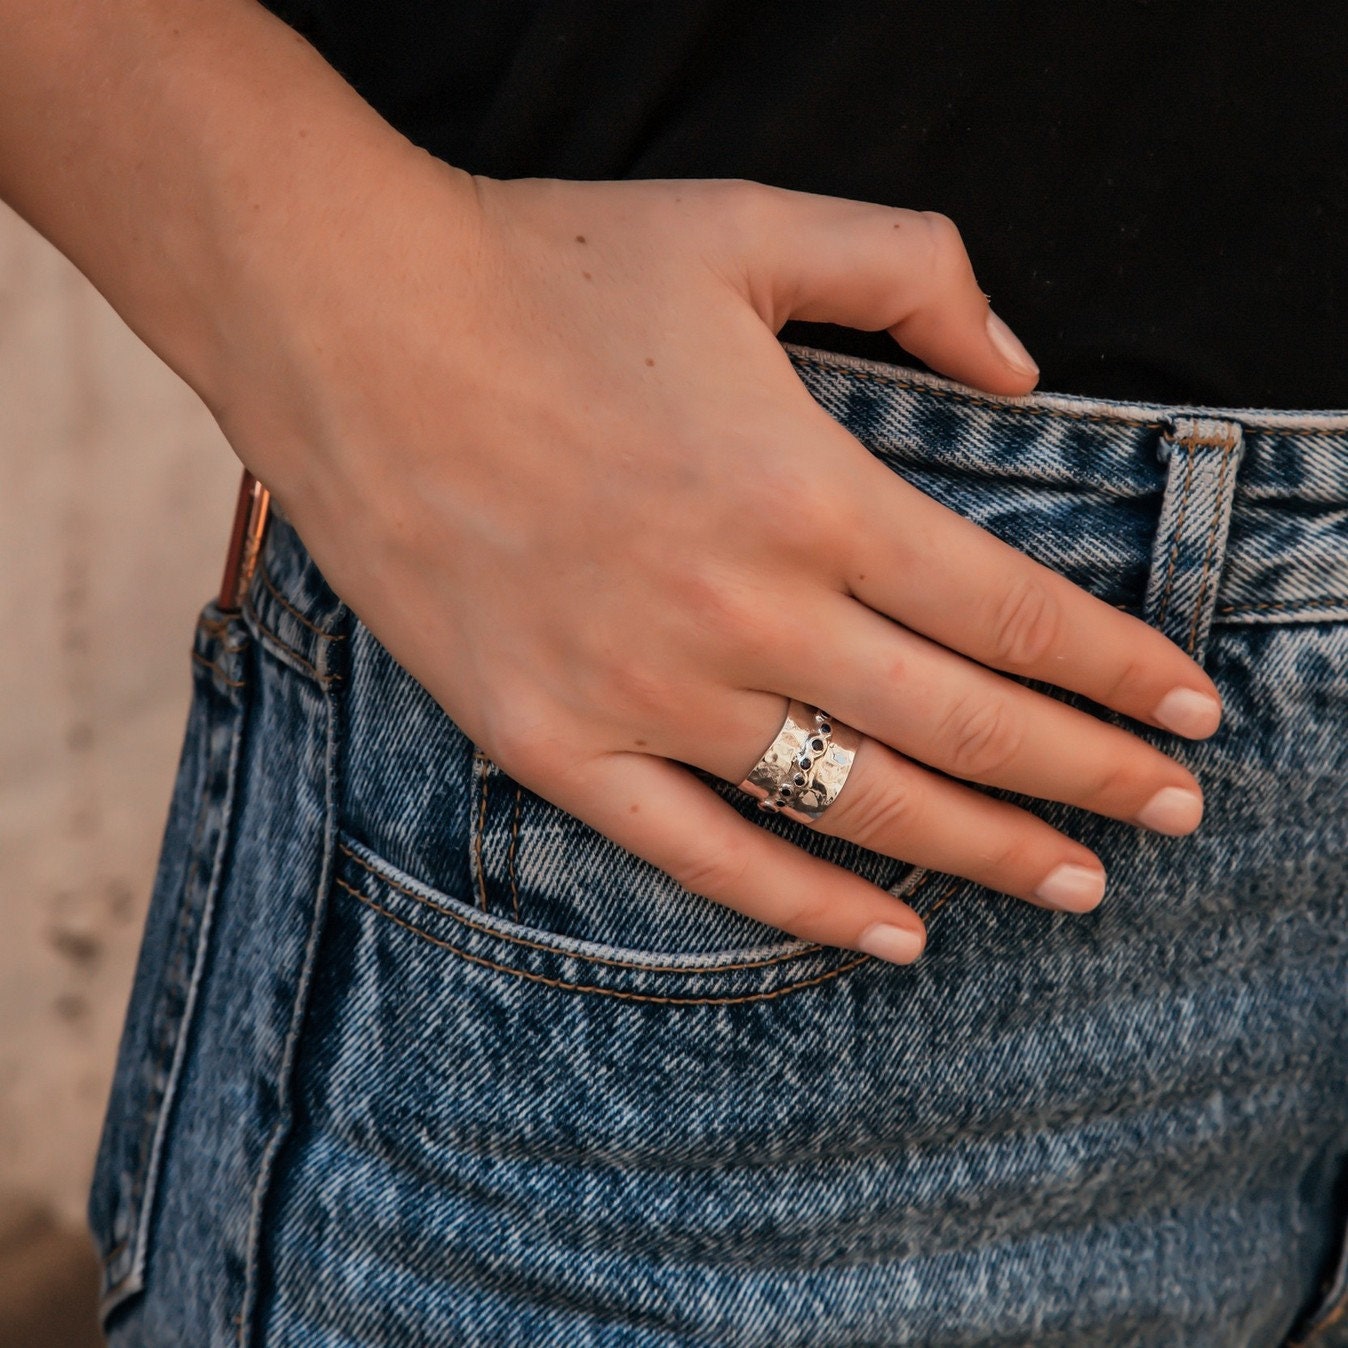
(179, 151)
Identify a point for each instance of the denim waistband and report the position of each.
(1251, 503)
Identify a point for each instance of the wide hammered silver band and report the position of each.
(804, 768)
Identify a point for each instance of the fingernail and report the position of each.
(899, 945)
(1173, 809)
(1188, 712)
(1009, 346)
(1073, 888)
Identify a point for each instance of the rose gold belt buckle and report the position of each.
(245, 542)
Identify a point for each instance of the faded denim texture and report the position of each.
(413, 1057)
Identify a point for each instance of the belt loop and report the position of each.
(1203, 456)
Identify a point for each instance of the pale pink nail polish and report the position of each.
(1173, 809)
(1009, 346)
(898, 945)
(1072, 888)
(1188, 712)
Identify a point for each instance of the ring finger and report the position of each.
(898, 808)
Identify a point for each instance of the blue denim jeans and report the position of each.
(415, 1058)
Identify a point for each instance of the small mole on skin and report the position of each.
(649, 361)
(641, 744)
(898, 226)
(580, 238)
(633, 808)
(303, 133)
(587, 276)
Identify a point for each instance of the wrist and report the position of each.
(185, 156)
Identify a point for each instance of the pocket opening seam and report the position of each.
(640, 965)
(620, 993)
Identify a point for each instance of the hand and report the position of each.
(551, 455)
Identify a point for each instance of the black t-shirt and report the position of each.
(1154, 194)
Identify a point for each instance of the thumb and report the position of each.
(829, 260)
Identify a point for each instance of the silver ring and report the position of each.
(804, 768)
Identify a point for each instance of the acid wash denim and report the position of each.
(415, 1058)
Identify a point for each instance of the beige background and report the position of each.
(116, 491)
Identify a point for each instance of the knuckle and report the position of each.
(1109, 784)
(527, 747)
(878, 818)
(716, 871)
(632, 691)
(1012, 858)
(944, 241)
(812, 917)
(1129, 685)
(749, 208)
(982, 737)
(1026, 625)
(731, 611)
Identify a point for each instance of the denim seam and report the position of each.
(1323, 601)
(249, 1303)
(603, 992)
(321, 632)
(214, 668)
(1317, 423)
(434, 907)
(154, 1105)
(973, 400)
(218, 629)
(1177, 535)
(1227, 446)
(153, 1139)
(482, 765)
(283, 651)
(935, 908)
(510, 855)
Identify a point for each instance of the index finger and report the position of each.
(940, 574)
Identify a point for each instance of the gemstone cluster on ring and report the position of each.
(801, 777)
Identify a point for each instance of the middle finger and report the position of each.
(953, 714)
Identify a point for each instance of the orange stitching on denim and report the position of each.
(1227, 441)
(1323, 601)
(593, 959)
(1178, 534)
(510, 855)
(931, 912)
(914, 386)
(224, 678)
(604, 992)
(323, 679)
(265, 576)
(1217, 511)
(482, 760)
(219, 630)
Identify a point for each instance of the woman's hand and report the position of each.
(540, 436)
(556, 460)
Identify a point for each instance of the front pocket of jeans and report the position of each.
(535, 865)
(657, 971)
(163, 995)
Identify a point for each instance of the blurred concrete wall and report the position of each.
(116, 490)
